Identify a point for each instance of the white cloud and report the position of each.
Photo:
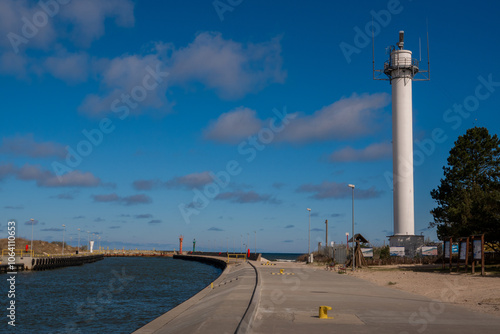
(14, 14)
(81, 21)
(13, 64)
(32, 172)
(28, 27)
(71, 179)
(128, 83)
(247, 197)
(231, 68)
(189, 181)
(27, 146)
(45, 178)
(353, 117)
(68, 67)
(328, 189)
(126, 200)
(6, 170)
(88, 17)
(146, 184)
(376, 151)
(234, 125)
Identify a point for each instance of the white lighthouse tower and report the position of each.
(400, 70)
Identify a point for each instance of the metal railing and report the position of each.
(17, 252)
(236, 256)
(30, 253)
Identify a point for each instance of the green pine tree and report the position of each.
(468, 197)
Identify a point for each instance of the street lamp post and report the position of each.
(353, 248)
(78, 241)
(309, 238)
(32, 221)
(255, 233)
(64, 230)
(88, 241)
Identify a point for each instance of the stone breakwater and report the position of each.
(46, 263)
(58, 262)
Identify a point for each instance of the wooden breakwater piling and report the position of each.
(5, 268)
(216, 262)
(47, 262)
(58, 262)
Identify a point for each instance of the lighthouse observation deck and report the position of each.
(401, 65)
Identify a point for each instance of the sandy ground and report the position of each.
(475, 292)
(44, 246)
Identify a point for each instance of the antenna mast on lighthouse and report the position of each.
(401, 70)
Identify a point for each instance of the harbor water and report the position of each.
(281, 256)
(115, 295)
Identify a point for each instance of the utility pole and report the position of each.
(326, 236)
(255, 249)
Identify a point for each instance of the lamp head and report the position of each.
(308, 209)
(401, 42)
(351, 186)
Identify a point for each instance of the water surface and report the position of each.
(115, 295)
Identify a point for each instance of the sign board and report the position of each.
(431, 250)
(454, 249)
(463, 250)
(446, 249)
(367, 252)
(397, 251)
(476, 248)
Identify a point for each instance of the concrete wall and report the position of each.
(44, 263)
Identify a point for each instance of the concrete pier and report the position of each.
(252, 298)
(52, 262)
(216, 309)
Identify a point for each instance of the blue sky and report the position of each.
(144, 120)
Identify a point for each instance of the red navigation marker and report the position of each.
(27, 247)
(248, 253)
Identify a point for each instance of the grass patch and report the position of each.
(391, 283)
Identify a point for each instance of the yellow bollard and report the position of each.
(212, 285)
(281, 271)
(323, 312)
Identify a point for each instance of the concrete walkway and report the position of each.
(289, 303)
(218, 310)
(263, 300)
